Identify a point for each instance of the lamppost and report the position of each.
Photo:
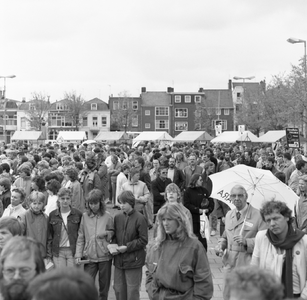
(298, 41)
(4, 104)
(235, 108)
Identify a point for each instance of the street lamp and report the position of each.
(235, 108)
(4, 104)
(299, 41)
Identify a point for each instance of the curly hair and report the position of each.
(274, 206)
(174, 212)
(40, 182)
(245, 279)
(72, 173)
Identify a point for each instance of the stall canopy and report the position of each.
(67, 136)
(272, 136)
(153, 136)
(235, 136)
(191, 136)
(112, 136)
(27, 136)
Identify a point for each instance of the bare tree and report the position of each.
(122, 118)
(39, 107)
(75, 108)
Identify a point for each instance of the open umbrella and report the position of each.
(261, 185)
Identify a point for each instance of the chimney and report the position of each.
(170, 90)
(200, 90)
(23, 99)
(143, 90)
(229, 84)
(263, 85)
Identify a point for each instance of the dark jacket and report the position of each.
(6, 199)
(193, 198)
(179, 178)
(130, 231)
(158, 186)
(144, 176)
(54, 231)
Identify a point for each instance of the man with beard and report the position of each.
(175, 175)
(21, 261)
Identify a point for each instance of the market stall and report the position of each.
(192, 136)
(235, 136)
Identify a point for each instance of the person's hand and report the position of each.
(102, 235)
(122, 249)
(77, 261)
(240, 240)
(162, 194)
(218, 251)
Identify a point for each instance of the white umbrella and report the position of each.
(261, 185)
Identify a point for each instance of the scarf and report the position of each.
(293, 236)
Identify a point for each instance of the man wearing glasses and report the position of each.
(241, 226)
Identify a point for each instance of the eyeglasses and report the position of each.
(236, 195)
(163, 172)
(23, 272)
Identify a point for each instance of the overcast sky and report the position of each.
(97, 47)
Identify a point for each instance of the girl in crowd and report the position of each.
(35, 221)
(196, 199)
(95, 233)
(177, 263)
(63, 229)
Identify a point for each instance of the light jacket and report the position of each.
(130, 231)
(266, 256)
(237, 255)
(178, 271)
(91, 243)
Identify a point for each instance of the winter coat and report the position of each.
(130, 231)
(178, 271)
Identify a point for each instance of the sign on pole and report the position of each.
(293, 137)
(241, 128)
(218, 130)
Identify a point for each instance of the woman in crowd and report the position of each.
(177, 263)
(63, 229)
(24, 180)
(120, 180)
(9, 227)
(196, 199)
(38, 184)
(53, 186)
(95, 233)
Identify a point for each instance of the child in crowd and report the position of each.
(9, 227)
(35, 221)
(53, 186)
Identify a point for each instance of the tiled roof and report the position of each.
(219, 98)
(156, 99)
(101, 105)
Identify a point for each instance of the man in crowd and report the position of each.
(21, 262)
(174, 174)
(158, 188)
(248, 160)
(301, 169)
(241, 226)
(191, 169)
(289, 166)
(139, 163)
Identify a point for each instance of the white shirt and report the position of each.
(14, 211)
(51, 204)
(170, 174)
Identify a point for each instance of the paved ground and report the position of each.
(215, 265)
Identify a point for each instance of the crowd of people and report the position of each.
(60, 198)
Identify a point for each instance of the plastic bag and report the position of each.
(204, 227)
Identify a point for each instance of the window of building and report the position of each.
(226, 112)
(161, 124)
(218, 111)
(147, 112)
(147, 125)
(95, 121)
(219, 122)
(181, 126)
(94, 106)
(197, 99)
(239, 95)
(177, 99)
(187, 99)
(181, 112)
(23, 123)
(115, 105)
(135, 105)
(103, 121)
(125, 105)
(84, 121)
(161, 111)
(135, 121)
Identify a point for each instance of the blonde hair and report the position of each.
(39, 196)
(174, 212)
(172, 187)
